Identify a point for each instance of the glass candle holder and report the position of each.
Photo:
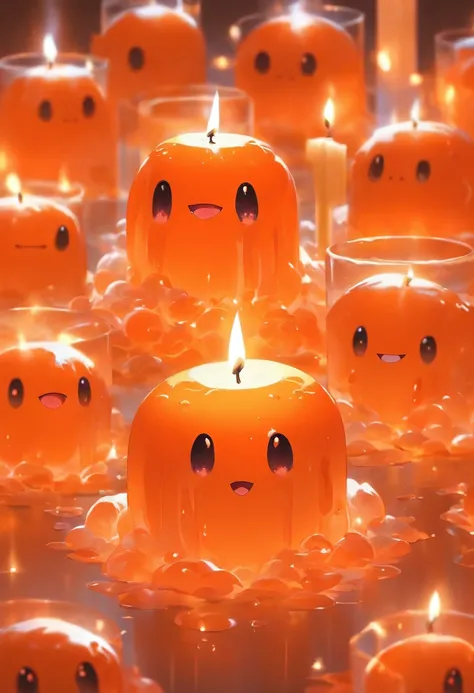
(454, 55)
(111, 9)
(166, 113)
(62, 192)
(402, 630)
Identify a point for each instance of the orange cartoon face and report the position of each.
(394, 343)
(414, 180)
(149, 47)
(42, 251)
(54, 656)
(238, 475)
(58, 120)
(423, 664)
(216, 220)
(290, 66)
(53, 392)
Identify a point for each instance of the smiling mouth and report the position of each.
(241, 488)
(205, 211)
(20, 246)
(52, 400)
(391, 358)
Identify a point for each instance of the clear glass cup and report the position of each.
(64, 192)
(455, 101)
(13, 66)
(111, 9)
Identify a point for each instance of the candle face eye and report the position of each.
(290, 66)
(55, 394)
(393, 346)
(203, 455)
(279, 454)
(33, 662)
(151, 47)
(412, 180)
(217, 222)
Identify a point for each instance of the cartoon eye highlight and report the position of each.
(428, 349)
(162, 202)
(376, 168)
(26, 681)
(84, 392)
(203, 455)
(360, 341)
(453, 682)
(246, 204)
(423, 171)
(61, 240)
(88, 107)
(136, 58)
(309, 64)
(16, 393)
(279, 454)
(262, 62)
(45, 111)
(87, 680)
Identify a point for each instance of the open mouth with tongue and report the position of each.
(52, 400)
(205, 210)
(391, 358)
(241, 488)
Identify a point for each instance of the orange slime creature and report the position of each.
(395, 342)
(54, 656)
(218, 217)
(413, 179)
(237, 472)
(290, 66)
(149, 47)
(54, 410)
(43, 253)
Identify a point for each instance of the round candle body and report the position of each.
(236, 473)
(217, 220)
(42, 251)
(150, 47)
(290, 66)
(57, 120)
(423, 663)
(54, 409)
(393, 345)
(412, 180)
(58, 656)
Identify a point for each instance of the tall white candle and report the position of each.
(329, 162)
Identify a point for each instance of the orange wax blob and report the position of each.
(395, 342)
(57, 118)
(54, 409)
(49, 654)
(42, 251)
(412, 179)
(237, 472)
(149, 47)
(216, 219)
(290, 66)
(422, 663)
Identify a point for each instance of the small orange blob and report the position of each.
(151, 46)
(55, 656)
(54, 409)
(413, 179)
(395, 342)
(217, 215)
(42, 251)
(290, 66)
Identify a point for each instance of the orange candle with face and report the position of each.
(42, 250)
(395, 342)
(55, 117)
(290, 66)
(412, 178)
(149, 47)
(54, 410)
(216, 214)
(237, 464)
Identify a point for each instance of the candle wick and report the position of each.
(415, 124)
(328, 127)
(211, 134)
(430, 626)
(237, 369)
(20, 197)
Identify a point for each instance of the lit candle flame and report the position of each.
(415, 113)
(21, 341)
(13, 184)
(236, 349)
(318, 665)
(384, 61)
(50, 51)
(450, 95)
(64, 184)
(434, 610)
(213, 122)
(329, 114)
(409, 277)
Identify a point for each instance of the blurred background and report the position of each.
(23, 23)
